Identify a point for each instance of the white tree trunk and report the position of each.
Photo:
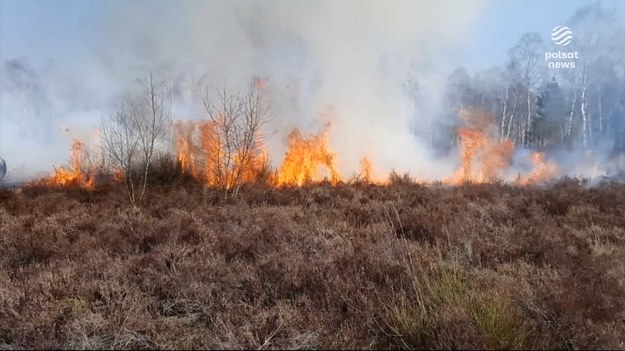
(584, 117)
(503, 114)
(511, 118)
(600, 110)
(583, 109)
(526, 139)
(570, 120)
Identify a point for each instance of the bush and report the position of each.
(397, 266)
(395, 178)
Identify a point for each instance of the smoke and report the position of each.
(41, 110)
(346, 59)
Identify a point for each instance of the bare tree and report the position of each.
(121, 144)
(133, 134)
(232, 135)
(152, 121)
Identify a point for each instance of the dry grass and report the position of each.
(351, 266)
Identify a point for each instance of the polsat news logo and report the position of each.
(561, 36)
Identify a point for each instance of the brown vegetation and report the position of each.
(345, 266)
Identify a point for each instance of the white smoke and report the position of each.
(352, 55)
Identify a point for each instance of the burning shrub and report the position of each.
(306, 158)
(483, 158)
(81, 173)
(226, 149)
(395, 178)
(543, 170)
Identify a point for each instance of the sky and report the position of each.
(41, 30)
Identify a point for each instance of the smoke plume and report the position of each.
(345, 59)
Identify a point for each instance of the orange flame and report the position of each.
(80, 174)
(543, 170)
(306, 158)
(186, 151)
(483, 159)
(366, 170)
(260, 83)
(118, 175)
(207, 160)
(212, 151)
(254, 165)
(367, 174)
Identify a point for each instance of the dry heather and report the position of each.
(350, 266)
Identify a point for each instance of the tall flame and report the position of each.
(483, 159)
(543, 170)
(202, 152)
(212, 152)
(207, 160)
(79, 174)
(186, 151)
(366, 170)
(307, 158)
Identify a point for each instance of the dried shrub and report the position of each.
(397, 266)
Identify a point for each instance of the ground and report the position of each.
(347, 266)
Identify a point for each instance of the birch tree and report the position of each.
(232, 135)
(527, 54)
(133, 133)
(121, 145)
(152, 121)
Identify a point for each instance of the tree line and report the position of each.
(538, 106)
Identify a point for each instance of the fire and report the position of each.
(367, 174)
(543, 170)
(306, 158)
(212, 152)
(483, 159)
(255, 165)
(309, 159)
(118, 175)
(496, 159)
(203, 153)
(260, 83)
(366, 170)
(80, 173)
(207, 161)
(186, 151)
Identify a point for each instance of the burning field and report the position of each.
(162, 233)
(203, 153)
(253, 174)
(212, 245)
